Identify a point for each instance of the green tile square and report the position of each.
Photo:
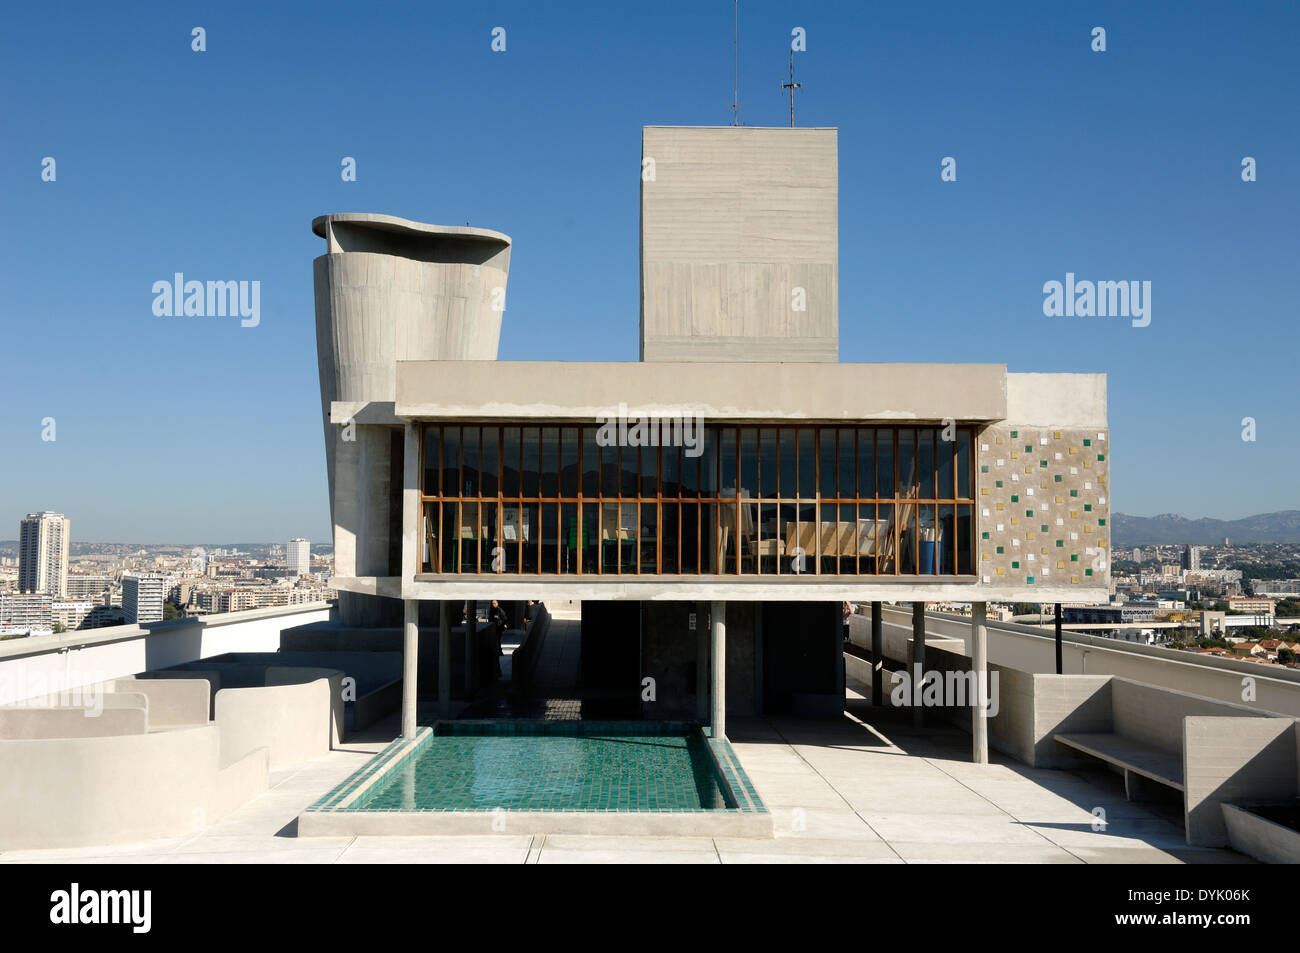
(1043, 464)
(1015, 564)
(985, 536)
(1028, 449)
(1101, 457)
(1015, 497)
(1060, 543)
(1087, 572)
(1074, 492)
(1029, 512)
(999, 482)
(1058, 478)
(1101, 522)
(984, 469)
(999, 549)
(1074, 557)
(1087, 507)
(1030, 580)
(1043, 528)
(1015, 434)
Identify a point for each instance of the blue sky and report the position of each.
(1115, 165)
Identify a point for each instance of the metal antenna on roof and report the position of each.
(735, 86)
(792, 86)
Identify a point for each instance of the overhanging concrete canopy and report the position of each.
(769, 391)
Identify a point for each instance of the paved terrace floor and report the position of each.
(866, 789)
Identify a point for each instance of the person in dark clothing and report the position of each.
(497, 616)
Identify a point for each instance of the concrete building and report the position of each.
(1191, 558)
(1253, 605)
(43, 553)
(712, 504)
(142, 598)
(298, 557)
(81, 586)
(26, 613)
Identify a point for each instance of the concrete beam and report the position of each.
(717, 390)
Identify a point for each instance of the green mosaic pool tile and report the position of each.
(551, 766)
(1087, 443)
(1074, 557)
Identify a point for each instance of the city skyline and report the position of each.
(1052, 181)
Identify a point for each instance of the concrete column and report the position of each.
(718, 637)
(979, 664)
(444, 659)
(918, 661)
(877, 653)
(410, 665)
(702, 706)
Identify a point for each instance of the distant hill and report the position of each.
(1167, 528)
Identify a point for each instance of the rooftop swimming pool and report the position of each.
(546, 777)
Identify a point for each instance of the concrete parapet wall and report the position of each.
(296, 722)
(1234, 759)
(70, 792)
(70, 722)
(171, 702)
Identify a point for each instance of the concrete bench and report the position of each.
(1134, 757)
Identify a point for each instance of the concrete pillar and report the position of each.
(979, 664)
(718, 638)
(877, 653)
(410, 665)
(702, 706)
(444, 659)
(918, 661)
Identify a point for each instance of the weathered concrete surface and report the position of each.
(719, 391)
(739, 244)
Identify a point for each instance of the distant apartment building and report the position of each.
(1251, 604)
(71, 613)
(81, 587)
(1191, 558)
(43, 554)
(236, 600)
(142, 598)
(25, 613)
(1275, 587)
(299, 557)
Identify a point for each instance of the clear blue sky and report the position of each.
(1115, 165)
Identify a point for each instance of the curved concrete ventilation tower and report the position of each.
(389, 290)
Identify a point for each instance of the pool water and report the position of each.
(576, 766)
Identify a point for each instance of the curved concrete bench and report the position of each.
(73, 792)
